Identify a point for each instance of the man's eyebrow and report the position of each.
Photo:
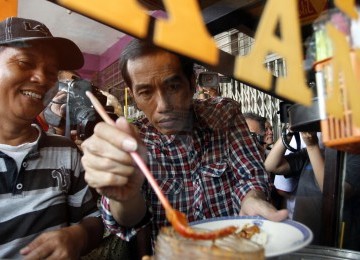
(25, 53)
(140, 86)
(173, 78)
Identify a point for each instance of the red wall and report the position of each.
(97, 63)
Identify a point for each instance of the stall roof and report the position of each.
(91, 36)
(219, 16)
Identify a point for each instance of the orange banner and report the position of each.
(8, 8)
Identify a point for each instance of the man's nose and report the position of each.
(44, 78)
(39, 75)
(164, 102)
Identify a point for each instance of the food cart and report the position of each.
(289, 29)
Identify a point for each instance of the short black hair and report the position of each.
(138, 48)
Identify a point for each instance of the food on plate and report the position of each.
(253, 233)
(248, 230)
(171, 245)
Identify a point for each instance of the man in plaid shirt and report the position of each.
(200, 151)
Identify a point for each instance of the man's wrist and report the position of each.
(146, 219)
(128, 212)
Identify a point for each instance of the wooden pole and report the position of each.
(126, 103)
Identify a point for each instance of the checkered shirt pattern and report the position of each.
(205, 173)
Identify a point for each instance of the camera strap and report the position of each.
(67, 121)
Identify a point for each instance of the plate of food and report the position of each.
(277, 238)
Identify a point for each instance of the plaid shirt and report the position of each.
(205, 173)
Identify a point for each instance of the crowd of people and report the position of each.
(209, 158)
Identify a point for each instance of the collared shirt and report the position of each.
(204, 173)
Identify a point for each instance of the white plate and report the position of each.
(282, 237)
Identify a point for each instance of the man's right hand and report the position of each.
(108, 164)
(310, 138)
(58, 104)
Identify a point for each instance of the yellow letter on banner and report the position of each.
(126, 15)
(348, 7)
(8, 8)
(184, 32)
(342, 72)
(251, 67)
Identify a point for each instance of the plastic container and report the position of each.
(338, 133)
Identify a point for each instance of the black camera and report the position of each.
(79, 110)
(208, 79)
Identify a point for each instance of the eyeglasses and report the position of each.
(258, 137)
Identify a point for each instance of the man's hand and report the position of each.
(310, 138)
(108, 164)
(68, 242)
(58, 104)
(112, 172)
(60, 244)
(254, 204)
